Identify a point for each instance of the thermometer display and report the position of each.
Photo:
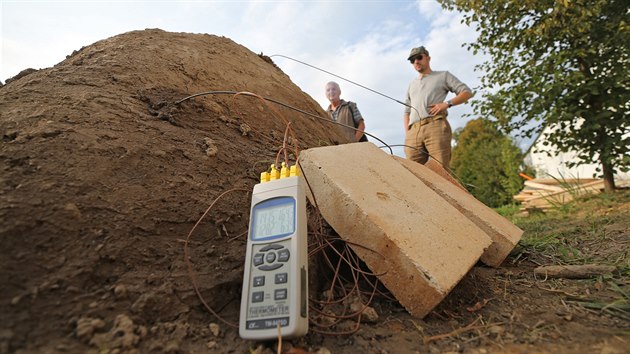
(274, 218)
(274, 300)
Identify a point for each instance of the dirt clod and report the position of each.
(103, 177)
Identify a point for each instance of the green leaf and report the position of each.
(554, 62)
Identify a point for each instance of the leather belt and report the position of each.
(425, 121)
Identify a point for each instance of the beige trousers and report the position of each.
(429, 140)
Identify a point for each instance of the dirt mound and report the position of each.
(103, 176)
(105, 168)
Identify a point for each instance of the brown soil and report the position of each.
(104, 176)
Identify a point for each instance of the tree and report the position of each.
(487, 162)
(562, 63)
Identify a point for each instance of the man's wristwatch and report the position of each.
(449, 103)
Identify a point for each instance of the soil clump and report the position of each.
(104, 176)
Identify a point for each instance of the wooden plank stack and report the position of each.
(546, 193)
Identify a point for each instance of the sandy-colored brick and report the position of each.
(419, 242)
(504, 234)
(437, 167)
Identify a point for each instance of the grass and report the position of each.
(619, 306)
(577, 233)
(589, 230)
(508, 210)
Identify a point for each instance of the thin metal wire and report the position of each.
(342, 78)
(326, 119)
(348, 80)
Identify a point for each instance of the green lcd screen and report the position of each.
(273, 218)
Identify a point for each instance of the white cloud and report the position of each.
(444, 43)
(377, 60)
(429, 10)
(367, 43)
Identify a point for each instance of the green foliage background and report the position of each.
(487, 162)
(563, 64)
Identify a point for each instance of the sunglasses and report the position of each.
(419, 57)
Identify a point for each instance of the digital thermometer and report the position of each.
(275, 296)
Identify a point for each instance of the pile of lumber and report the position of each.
(545, 193)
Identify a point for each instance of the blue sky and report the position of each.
(364, 41)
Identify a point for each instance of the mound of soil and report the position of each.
(105, 173)
(103, 176)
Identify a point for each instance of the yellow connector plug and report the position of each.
(284, 171)
(275, 173)
(264, 177)
(294, 171)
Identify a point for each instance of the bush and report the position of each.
(487, 162)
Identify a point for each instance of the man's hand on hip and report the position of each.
(438, 108)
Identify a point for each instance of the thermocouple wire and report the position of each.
(281, 104)
(343, 78)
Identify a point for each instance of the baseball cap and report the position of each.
(417, 51)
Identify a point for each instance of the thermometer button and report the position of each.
(283, 255)
(259, 281)
(281, 278)
(273, 246)
(270, 266)
(258, 259)
(258, 296)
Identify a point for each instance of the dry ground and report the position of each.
(103, 176)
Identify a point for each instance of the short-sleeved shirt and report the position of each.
(346, 113)
(430, 89)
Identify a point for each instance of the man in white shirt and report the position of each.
(427, 131)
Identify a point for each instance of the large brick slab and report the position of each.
(503, 233)
(440, 170)
(419, 242)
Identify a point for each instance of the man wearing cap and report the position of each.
(427, 132)
(346, 113)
